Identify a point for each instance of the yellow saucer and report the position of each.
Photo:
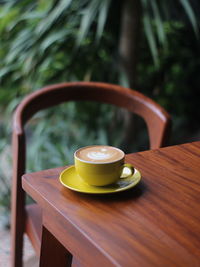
(70, 179)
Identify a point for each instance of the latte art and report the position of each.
(99, 154)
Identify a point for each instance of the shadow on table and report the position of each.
(130, 194)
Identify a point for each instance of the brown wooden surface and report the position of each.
(53, 253)
(155, 117)
(157, 223)
(34, 225)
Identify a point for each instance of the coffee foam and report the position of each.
(99, 154)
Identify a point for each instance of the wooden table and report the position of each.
(157, 223)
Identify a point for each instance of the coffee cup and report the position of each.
(101, 165)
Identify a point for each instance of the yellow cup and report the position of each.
(102, 173)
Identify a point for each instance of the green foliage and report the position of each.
(155, 15)
(175, 83)
(31, 31)
(92, 10)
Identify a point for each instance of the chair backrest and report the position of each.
(156, 118)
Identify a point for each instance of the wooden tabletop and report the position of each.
(157, 223)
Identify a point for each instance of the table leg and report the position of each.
(52, 252)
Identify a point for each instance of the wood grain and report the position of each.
(157, 223)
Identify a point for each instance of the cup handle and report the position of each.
(130, 167)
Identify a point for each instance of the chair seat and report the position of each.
(34, 225)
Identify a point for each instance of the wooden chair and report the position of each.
(27, 219)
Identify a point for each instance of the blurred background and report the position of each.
(148, 45)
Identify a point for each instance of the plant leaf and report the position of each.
(53, 16)
(149, 32)
(103, 13)
(88, 16)
(158, 21)
(189, 11)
